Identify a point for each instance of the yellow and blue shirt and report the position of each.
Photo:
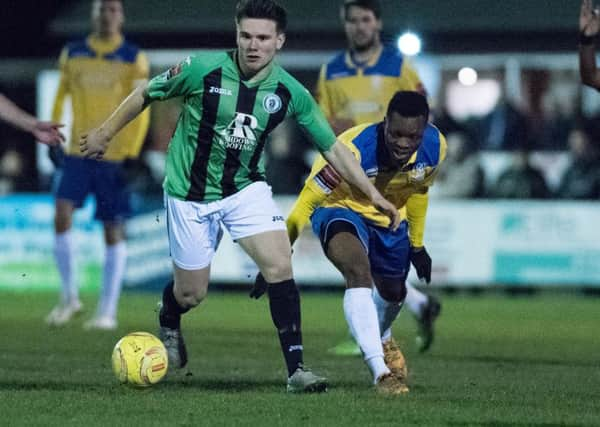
(406, 187)
(361, 92)
(98, 75)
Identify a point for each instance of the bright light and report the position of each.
(409, 44)
(467, 76)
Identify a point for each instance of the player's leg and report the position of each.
(185, 292)
(345, 239)
(194, 233)
(425, 309)
(112, 208)
(115, 258)
(256, 223)
(73, 187)
(389, 254)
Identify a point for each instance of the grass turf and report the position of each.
(497, 361)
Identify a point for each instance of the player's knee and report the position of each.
(62, 224)
(189, 297)
(277, 272)
(393, 292)
(357, 275)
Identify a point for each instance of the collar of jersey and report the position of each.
(103, 46)
(371, 62)
(261, 76)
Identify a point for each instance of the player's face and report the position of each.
(258, 41)
(403, 136)
(107, 16)
(362, 28)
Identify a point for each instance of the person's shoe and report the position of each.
(394, 359)
(346, 348)
(389, 384)
(63, 313)
(173, 341)
(303, 380)
(429, 312)
(101, 323)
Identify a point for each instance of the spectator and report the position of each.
(461, 176)
(581, 179)
(504, 128)
(520, 180)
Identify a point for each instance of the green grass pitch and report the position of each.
(497, 361)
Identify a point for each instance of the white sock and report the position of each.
(415, 299)
(63, 253)
(112, 280)
(361, 316)
(386, 313)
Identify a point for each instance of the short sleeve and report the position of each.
(179, 80)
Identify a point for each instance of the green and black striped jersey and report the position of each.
(217, 148)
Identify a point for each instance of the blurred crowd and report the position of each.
(505, 154)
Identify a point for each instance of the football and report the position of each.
(139, 359)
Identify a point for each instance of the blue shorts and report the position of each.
(388, 251)
(105, 180)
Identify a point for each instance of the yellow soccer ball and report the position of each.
(140, 359)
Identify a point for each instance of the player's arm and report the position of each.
(321, 182)
(142, 123)
(340, 157)
(44, 132)
(416, 211)
(589, 26)
(409, 78)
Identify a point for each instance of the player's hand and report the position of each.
(48, 133)
(93, 145)
(260, 286)
(389, 210)
(421, 260)
(589, 18)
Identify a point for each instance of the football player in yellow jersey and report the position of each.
(401, 155)
(355, 87)
(97, 73)
(45, 132)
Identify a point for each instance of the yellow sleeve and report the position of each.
(322, 95)
(309, 199)
(142, 122)
(416, 210)
(409, 78)
(63, 87)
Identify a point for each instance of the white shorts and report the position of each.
(194, 228)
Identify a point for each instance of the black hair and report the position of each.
(409, 104)
(262, 9)
(372, 5)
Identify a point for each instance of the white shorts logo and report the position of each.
(272, 103)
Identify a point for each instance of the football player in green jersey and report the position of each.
(215, 172)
